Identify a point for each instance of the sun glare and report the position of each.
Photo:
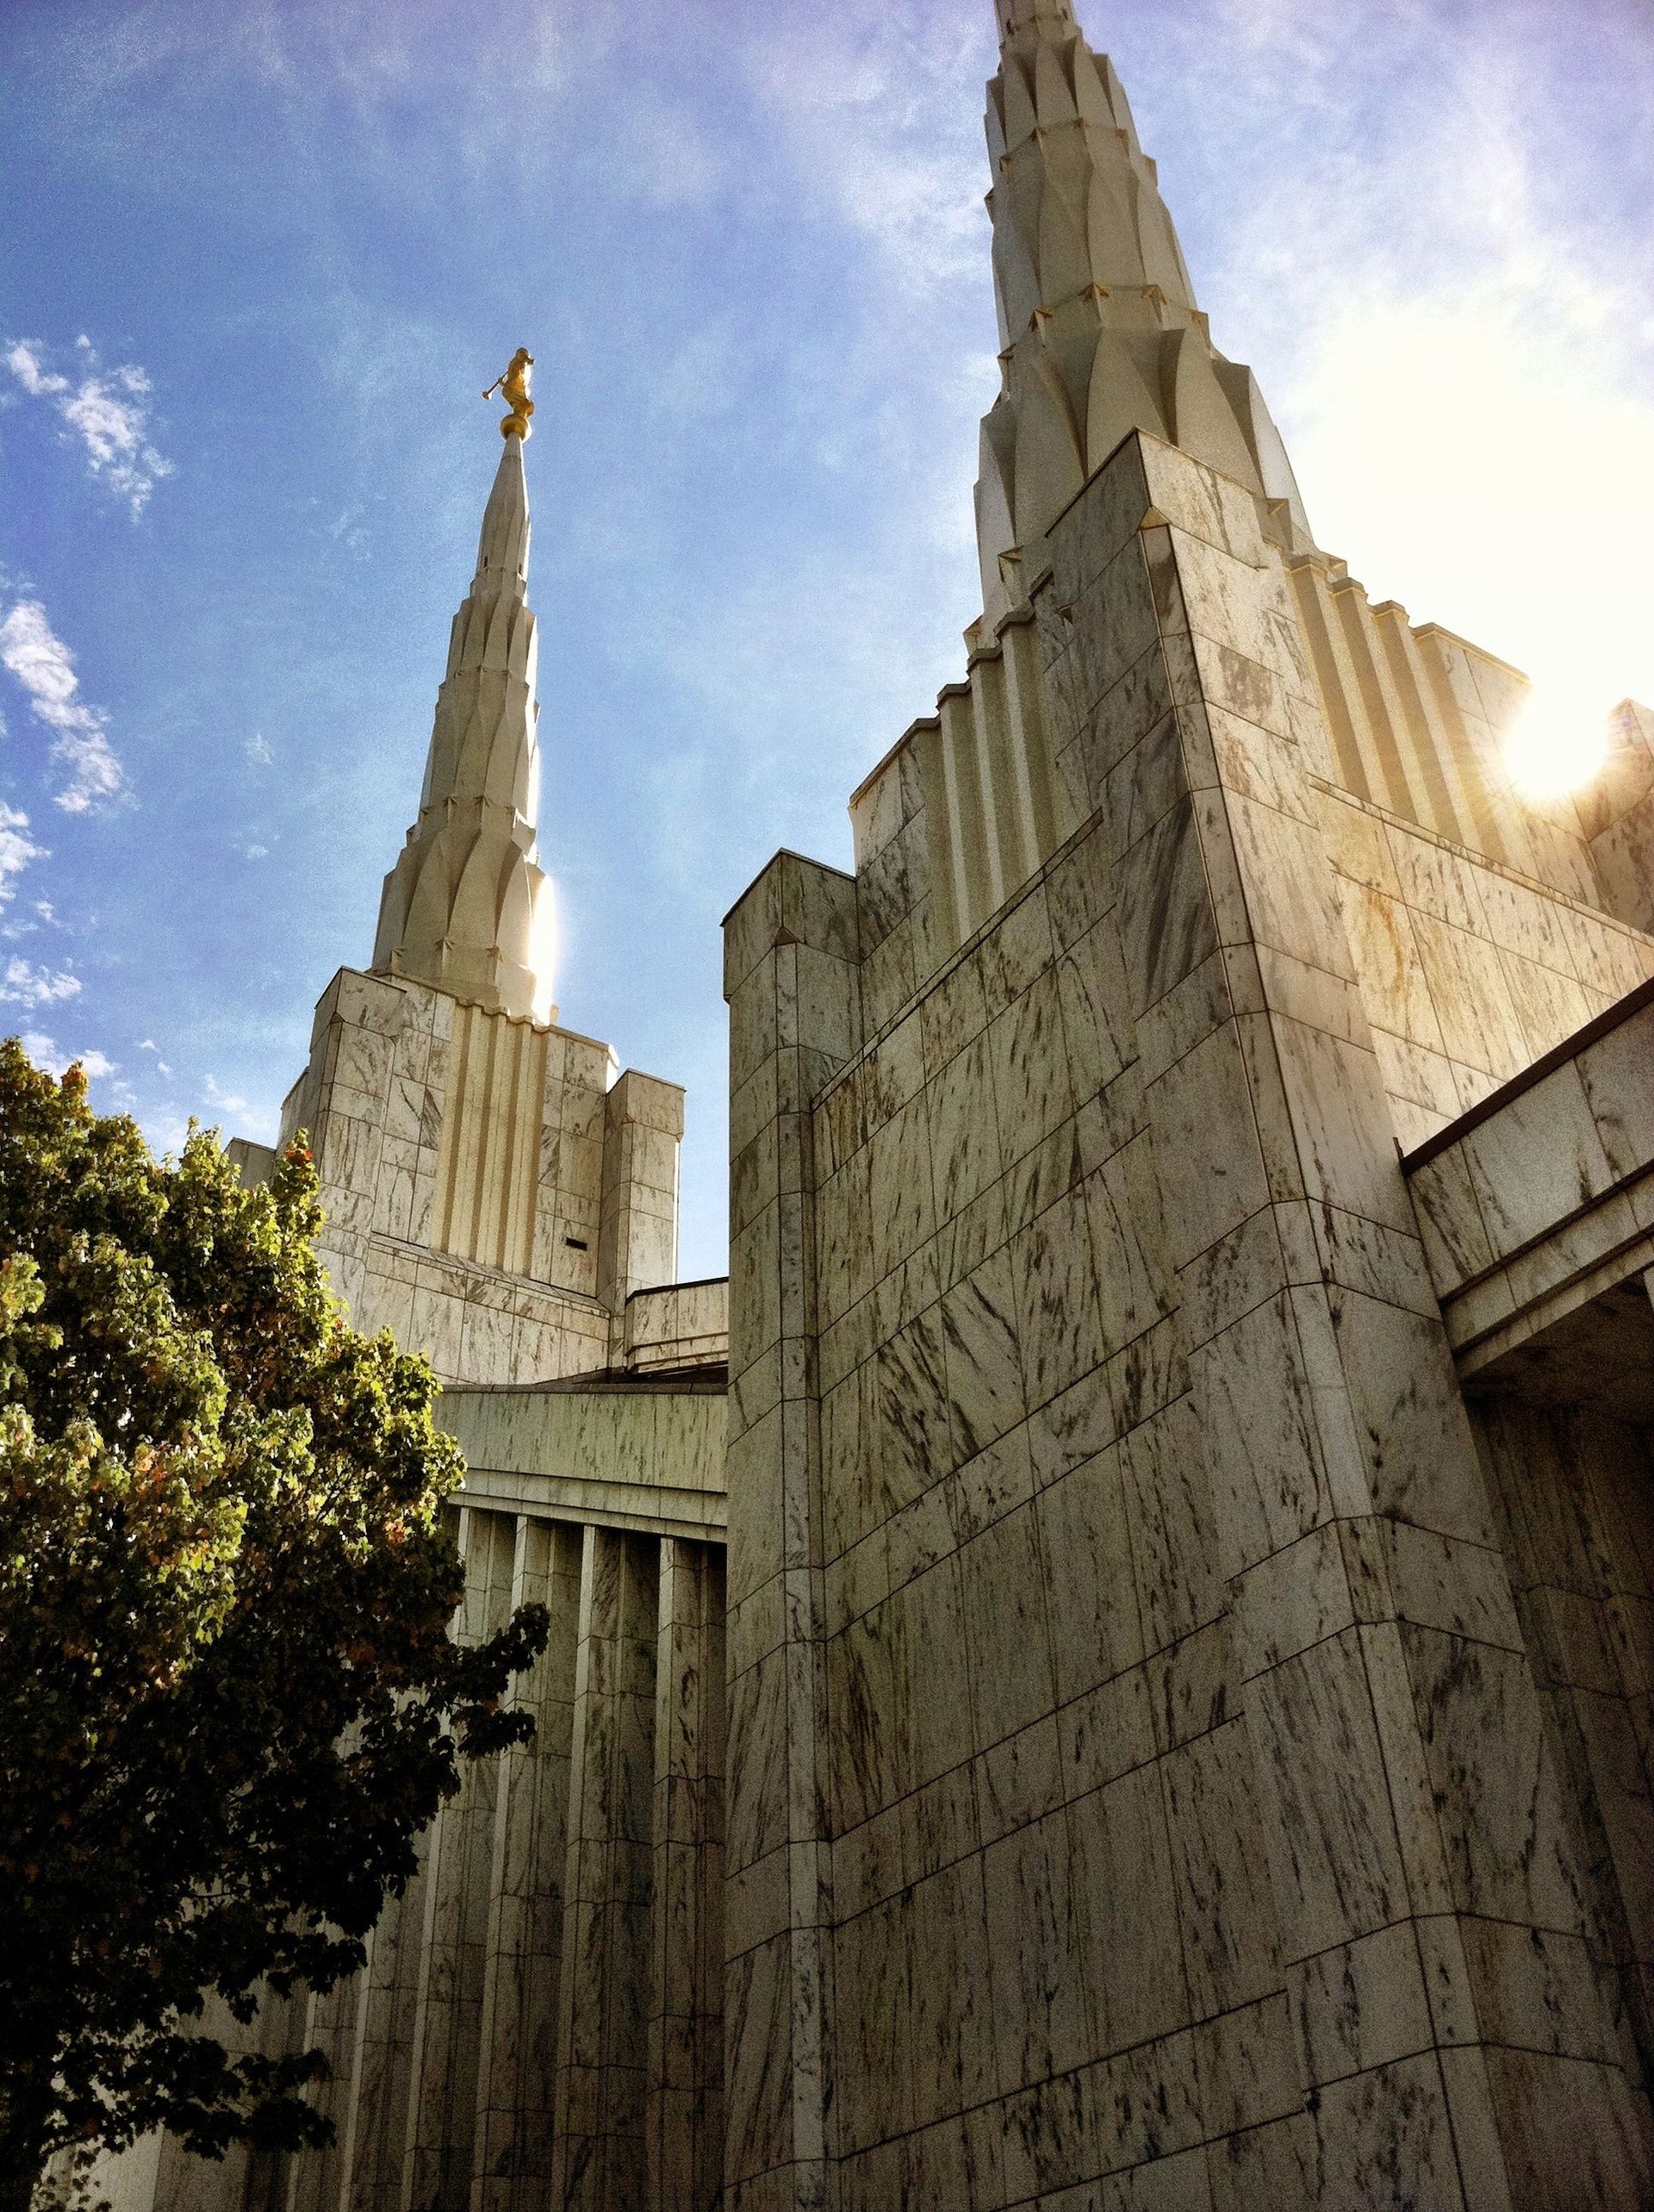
(1555, 745)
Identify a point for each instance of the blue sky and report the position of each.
(256, 263)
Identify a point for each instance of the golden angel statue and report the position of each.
(512, 388)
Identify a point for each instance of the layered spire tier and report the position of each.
(1098, 328)
(466, 908)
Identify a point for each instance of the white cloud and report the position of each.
(257, 750)
(44, 666)
(255, 852)
(108, 409)
(231, 1102)
(24, 363)
(17, 849)
(24, 985)
(150, 1045)
(44, 1052)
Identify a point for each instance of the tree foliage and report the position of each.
(229, 1698)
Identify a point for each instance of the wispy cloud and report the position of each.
(233, 1105)
(256, 751)
(231, 1101)
(167, 1129)
(150, 1045)
(107, 409)
(665, 155)
(348, 529)
(872, 102)
(24, 984)
(44, 666)
(17, 849)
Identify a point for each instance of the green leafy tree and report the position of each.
(229, 1697)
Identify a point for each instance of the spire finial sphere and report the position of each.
(513, 386)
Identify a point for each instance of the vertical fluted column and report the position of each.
(599, 2161)
(366, 2030)
(685, 2111)
(512, 2159)
(437, 2175)
(384, 2074)
(317, 2181)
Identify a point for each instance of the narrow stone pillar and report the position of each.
(599, 2160)
(522, 1973)
(685, 2111)
(791, 983)
(637, 1232)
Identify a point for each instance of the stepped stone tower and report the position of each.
(1189, 1456)
(495, 1189)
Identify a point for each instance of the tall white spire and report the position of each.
(466, 908)
(1098, 327)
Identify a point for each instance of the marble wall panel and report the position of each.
(779, 1704)
(1561, 1482)
(1088, 1576)
(1342, 1874)
(1385, 2135)
(983, 1356)
(1126, 1912)
(1224, 1909)
(1053, 1284)
(1575, 2133)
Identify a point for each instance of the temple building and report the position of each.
(1116, 1673)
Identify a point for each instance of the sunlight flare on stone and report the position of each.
(1557, 744)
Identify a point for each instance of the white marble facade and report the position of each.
(1133, 1692)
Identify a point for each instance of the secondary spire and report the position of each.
(1098, 326)
(466, 907)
